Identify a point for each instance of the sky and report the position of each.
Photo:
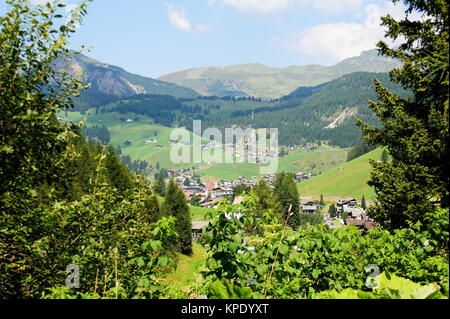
(153, 37)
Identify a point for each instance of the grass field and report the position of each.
(346, 180)
(188, 269)
(199, 213)
(315, 161)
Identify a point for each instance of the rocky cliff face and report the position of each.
(113, 80)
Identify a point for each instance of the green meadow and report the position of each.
(311, 161)
(188, 270)
(142, 128)
(346, 180)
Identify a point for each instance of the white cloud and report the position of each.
(178, 18)
(262, 6)
(336, 6)
(332, 42)
(270, 6)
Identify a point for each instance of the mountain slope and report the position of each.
(262, 81)
(323, 113)
(347, 180)
(112, 80)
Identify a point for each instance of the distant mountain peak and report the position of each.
(110, 79)
(260, 80)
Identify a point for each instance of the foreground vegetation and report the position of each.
(66, 202)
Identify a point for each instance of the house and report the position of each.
(355, 212)
(349, 202)
(151, 141)
(309, 209)
(211, 203)
(210, 186)
(220, 192)
(300, 176)
(197, 228)
(358, 217)
(306, 202)
(354, 222)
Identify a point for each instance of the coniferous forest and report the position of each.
(69, 199)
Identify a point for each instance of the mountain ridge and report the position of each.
(259, 80)
(110, 79)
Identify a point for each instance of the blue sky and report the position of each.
(153, 37)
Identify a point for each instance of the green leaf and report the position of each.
(261, 269)
(284, 249)
(425, 291)
(315, 273)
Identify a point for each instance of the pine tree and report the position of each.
(363, 203)
(384, 156)
(322, 202)
(195, 201)
(159, 186)
(332, 211)
(266, 201)
(414, 130)
(288, 197)
(175, 205)
(116, 172)
(152, 209)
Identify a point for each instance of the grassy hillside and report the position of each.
(347, 180)
(142, 128)
(263, 81)
(137, 131)
(315, 161)
(188, 270)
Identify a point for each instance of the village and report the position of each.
(210, 194)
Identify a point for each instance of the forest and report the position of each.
(302, 116)
(66, 200)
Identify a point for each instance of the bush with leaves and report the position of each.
(389, 287)
(297, 264)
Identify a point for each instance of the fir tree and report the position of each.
(288, 197)
(266, 201)
(363, 203)
(116, 172)
(152, 209)
(332, 211)
(384, 156)
(175, 205)
(195, 201)
(414, 130)
(322, 202)
(159, 186)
